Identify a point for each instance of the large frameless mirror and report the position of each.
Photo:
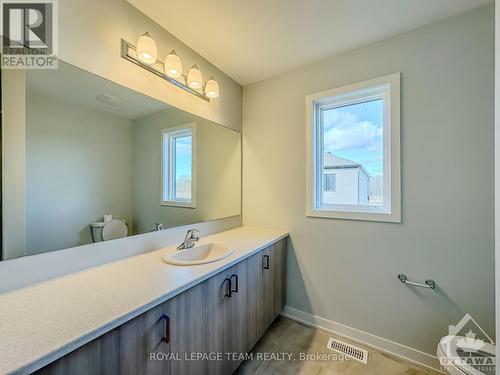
(102, 162)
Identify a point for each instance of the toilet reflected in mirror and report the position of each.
(110, 229)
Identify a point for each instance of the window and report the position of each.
(353, 156)
(178, 146)
(329, 181)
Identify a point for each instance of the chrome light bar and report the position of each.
(129, 52)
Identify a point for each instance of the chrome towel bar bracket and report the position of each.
(430, 284)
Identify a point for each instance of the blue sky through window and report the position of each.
(355, 132)
(183, 156)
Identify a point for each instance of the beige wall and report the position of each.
(218, 171)
(345, 271)
(89, 37)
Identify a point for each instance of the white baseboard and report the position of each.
(390, 347)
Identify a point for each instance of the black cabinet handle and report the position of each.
(229, 289)
(236, 283)
(265, 262)
(166, 337)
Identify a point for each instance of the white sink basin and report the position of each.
(199, 254)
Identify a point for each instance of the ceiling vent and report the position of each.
(348, 350)
(110, 100)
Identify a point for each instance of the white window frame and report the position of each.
(386, 88)
(168, 160)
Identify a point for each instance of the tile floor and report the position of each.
(287, 336)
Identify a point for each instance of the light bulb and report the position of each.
(146, 49)
(212, 88)
(173, 65)
(194, 78)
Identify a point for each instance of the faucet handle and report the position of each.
(192, 232)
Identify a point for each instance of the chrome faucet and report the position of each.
(190, 239)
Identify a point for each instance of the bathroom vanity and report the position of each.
(141, 315)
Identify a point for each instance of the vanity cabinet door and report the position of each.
(242, 330)
(267, 274)
(198, 320)
(253, 296)
(143, 348)
(99, 356)
(128, 349)
(279, 257)
(273, 279)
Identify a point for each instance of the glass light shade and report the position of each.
(194, 78)
(146, 49)
(173, 65)
(212, 88)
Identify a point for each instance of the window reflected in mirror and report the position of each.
(177, 165)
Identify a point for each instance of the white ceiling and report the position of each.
(76, 86)
(257, 39)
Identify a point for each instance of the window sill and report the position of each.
(178, 204)
(355, 215)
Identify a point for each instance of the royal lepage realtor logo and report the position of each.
(29, 34)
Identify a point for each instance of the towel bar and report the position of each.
(430, 284)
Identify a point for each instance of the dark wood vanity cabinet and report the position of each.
(200, 331)
(273, 267)
(138, 339)
(122, 351)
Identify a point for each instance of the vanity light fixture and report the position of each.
(173, 65)
(145, 55)
(194, 78)
(212, 88)
(146, 49)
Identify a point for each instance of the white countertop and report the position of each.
(41, 323)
